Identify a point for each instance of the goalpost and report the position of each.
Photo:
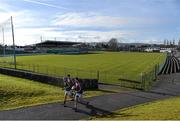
(7, 42)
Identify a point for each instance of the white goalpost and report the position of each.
(7, 43)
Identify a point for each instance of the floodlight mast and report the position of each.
(3, 41)
(14, 48)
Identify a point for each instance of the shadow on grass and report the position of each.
(103, 90)
(89, 53)
(109, 84)
(162, 93)
(113, 115)
(94, 111)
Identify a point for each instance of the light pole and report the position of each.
(14, 48)
(3, 42)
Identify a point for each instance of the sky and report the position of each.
(137, 21)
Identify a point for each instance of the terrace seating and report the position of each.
(172, 65)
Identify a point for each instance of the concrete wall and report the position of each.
(56, 81)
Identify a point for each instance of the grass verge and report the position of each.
(17, 92)
(168, 109)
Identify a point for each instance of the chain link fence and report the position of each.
(143, 80)
(52, 71)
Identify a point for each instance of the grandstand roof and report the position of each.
(49, 43)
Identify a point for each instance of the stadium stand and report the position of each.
(172, 65)
(56, 44)
(61, 47)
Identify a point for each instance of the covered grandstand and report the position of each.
(56, 44)
(60, 47)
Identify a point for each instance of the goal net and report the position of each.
(7, 46)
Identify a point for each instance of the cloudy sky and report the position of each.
(149, 21)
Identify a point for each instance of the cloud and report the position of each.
(5, 12)
(84, 19)
(28, 30)
(4, 7)
(20, 17)
(80, 26)
(28, 27)
(98, 20)
(46, 4)
(32, 35)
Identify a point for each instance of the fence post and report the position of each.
(29, 67)
(142, 82)
(158, 69)
(21, 67)
(155, 73)
(65, 72)
(33, 68)
(92, 74)
(141, 78)
(37, 68)
(46, 69)
(77, 73)
(98, 75)
(55, 72)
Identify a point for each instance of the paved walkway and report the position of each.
(168, 86)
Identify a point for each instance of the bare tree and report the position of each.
(113, 44)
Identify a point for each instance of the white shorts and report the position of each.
(78, 95)
(69, 93)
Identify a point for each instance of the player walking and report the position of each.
(78, 87)
(68, 84)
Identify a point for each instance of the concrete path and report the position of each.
(168, 86)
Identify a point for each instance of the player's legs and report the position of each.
(81, 100)
(75, 102)
(65, 98)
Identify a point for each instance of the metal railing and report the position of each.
(52, 71)
(143, 80)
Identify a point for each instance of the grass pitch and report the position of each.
(111, 65)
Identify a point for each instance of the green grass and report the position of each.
(17, 92)
(168, 109)
(111, 65)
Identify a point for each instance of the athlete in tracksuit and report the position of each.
(79, 91)
(68, 84)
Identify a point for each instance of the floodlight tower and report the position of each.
(174, 42)
(41, 39)
(14, 48)
(3, 41)
(165, 42)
